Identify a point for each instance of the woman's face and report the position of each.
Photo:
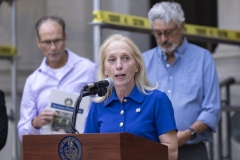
(120, 65)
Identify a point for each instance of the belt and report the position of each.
(190, 145)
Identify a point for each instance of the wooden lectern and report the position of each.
(112, 146)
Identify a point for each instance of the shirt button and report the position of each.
(170, 77)
(125, 100)
(169, 91)
(122, 111)
(168, 65)
(121, 124)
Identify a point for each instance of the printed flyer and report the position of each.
(63, 103)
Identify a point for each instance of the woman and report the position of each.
(132, 105)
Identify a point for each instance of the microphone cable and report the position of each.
(75, 112)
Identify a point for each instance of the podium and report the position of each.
(96, 146)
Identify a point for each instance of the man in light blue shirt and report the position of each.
(60, 69)
(188, 75)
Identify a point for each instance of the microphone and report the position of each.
(107, 83)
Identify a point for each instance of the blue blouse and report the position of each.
(145, 115)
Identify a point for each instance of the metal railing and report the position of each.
(224, 127)
(225, 102)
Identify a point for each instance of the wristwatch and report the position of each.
(193, 133)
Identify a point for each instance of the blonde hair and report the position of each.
(140, 77)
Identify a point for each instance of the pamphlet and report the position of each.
(63, 103)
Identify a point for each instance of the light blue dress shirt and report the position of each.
(191, 83)
(76, 73)
(147, 116)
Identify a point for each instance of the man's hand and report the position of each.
(45, 117)
(184, 136)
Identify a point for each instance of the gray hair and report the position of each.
(166, 11)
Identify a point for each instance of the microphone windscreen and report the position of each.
(111, 83)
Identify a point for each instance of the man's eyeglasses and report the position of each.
(56, 42)
(168, 33)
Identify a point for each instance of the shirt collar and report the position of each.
(135, 95)
(70, 62)
(179, 51)
(182, 48)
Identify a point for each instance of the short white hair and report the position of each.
(167, 11)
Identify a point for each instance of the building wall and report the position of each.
(77, 15)
(227, 58)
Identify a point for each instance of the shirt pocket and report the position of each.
(189, 83)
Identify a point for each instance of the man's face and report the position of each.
(52, 43)
(168, 37)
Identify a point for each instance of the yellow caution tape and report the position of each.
(8, 51)
(212, 32)
(143, 23)
(120, 19)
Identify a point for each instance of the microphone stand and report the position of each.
(92, 91)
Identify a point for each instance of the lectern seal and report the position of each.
(70, 148)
